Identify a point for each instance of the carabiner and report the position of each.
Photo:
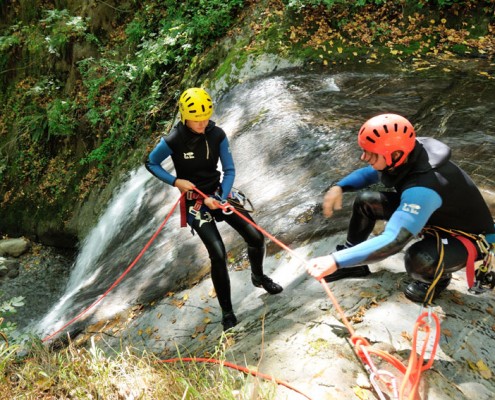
(226, 207)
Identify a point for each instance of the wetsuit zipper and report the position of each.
(207, 149)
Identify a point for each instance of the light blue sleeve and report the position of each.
(415, 209)
(227, 167)
(155, 159)
(359, 179)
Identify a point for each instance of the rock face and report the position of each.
(8, 268)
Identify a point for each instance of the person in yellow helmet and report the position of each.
(196, 144)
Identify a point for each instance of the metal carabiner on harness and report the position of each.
(226, 207)
(483, 244)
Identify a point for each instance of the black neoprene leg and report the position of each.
(421, 258)
(369, 207)
(208, 232)
(254, 239)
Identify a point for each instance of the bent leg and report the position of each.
(368, 208)
(421, 262)
(421, 259)
(253, 238)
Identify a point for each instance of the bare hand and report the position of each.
(321, 266)
(184, 185)
(332, 201)
(211, 203)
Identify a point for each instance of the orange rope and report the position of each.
(237, 367)
(120, 277)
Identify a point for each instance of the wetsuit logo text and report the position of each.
(411, 208)
(189, 155)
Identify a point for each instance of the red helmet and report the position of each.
(385, 134)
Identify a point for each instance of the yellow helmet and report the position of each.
(195, 104)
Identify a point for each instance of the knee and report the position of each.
(364, 202)
(420, 264)
(217, 253)
(255, 238)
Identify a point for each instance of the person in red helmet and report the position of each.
(426, 197)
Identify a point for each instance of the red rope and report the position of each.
(237, 367)
(119, 279)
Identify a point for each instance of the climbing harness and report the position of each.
(236, 199)
(478, 279)
(240, 201)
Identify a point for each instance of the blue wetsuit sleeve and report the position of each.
(227, 167)
(415, 209)
(359, 179)
(155, 159)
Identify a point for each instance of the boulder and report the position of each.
(13, 247)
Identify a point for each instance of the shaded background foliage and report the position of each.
(87, 87)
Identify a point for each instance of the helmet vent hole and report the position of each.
(203, 107)
(377, 134)
(385, 128)
(370, 139)
(396, 127)
(405, 130)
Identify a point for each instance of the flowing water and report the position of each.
(292, 134)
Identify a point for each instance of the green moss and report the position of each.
(318, 346)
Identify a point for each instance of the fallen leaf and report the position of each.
(484, 370)
(362, 394)
(177, 303)
(447, 332)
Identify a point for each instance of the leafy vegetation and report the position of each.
(8, 308)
